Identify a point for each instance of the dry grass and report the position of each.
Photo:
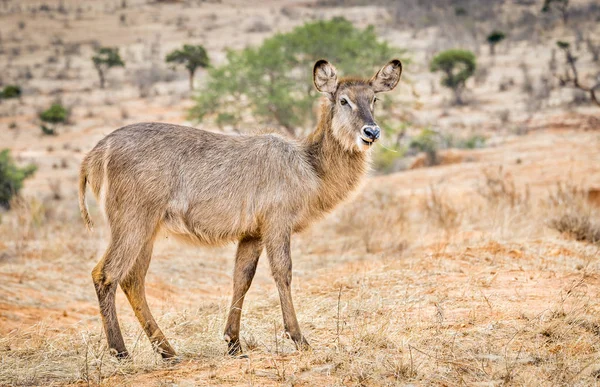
(474, 313)
(439, 210)
(579, 226)
(574, 214)
(380, 225)
(499, 189)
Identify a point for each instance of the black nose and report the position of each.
(372, 132)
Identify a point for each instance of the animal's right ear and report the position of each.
(325, 77)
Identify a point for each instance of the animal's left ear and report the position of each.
(387, 78)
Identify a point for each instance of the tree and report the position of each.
(273, 82)
(571, 76)
(192, 56)
(559, 5)
(494, 38)
(458, 66)
(11, 177)
(54, 115)
(10, 91)
(105, 58)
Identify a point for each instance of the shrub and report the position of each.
(54, 116)
(274, 81)
(427, 142)
(10, 91)
(571, 213)
(458, 66)
(11, 177)
(578, 225)
(385, 159)
(106, 58)
(192, 56)
(472, 142)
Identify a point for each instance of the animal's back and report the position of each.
(208, 187)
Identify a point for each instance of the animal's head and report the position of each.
(352, 102)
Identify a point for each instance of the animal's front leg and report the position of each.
(280, 260)
(246, 259)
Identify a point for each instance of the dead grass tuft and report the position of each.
(499, 188)
(579, 226)
(439, 209)
(573, 214)
(380, 224)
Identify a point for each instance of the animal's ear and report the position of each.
(325, 77)
(387, 78)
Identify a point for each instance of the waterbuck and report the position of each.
(210, 188)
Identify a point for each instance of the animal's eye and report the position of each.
(375, 99)
(343, 101)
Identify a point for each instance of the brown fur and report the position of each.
(210, 188)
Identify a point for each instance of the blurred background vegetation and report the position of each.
(273, 82)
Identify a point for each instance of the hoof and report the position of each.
(171, 359)
(123, 355)
(302, 344)
(234, 348)
(168, 355)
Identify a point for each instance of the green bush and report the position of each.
(192, 56)
(273, 82)
(431, 142)
(457, 66)
(11, 177)
(384, 159)
(10, 91)
(473, 142)
(427, 141)
(55, 115)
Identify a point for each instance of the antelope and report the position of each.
(210, 189)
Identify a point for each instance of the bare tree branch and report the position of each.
(571, 78)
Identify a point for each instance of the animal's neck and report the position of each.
(339, 170)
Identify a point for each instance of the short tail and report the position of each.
(83, 179)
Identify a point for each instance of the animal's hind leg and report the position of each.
(106, 283)
(133, 286)
(128, 239)
(246, 259)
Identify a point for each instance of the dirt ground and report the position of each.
(446, 275)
